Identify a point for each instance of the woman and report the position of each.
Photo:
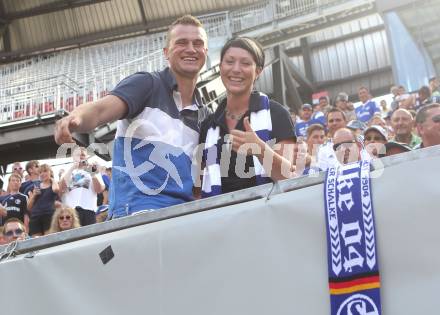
(242, 112)
(63, 219)
(41, 203)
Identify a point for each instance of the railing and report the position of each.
(272, 10)
(63, 81)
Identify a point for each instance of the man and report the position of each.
(33, 170)
(15, 203)
(424, 97)
(324, 104)
(79, 187)
(393, 148)
(302, 125)
(346, 146)
(326, 155)
(402, 123)
(14, 230)
(335, 120)
(344, 105)
(158, 130)
(315, 138)
(368, 108)
(305, 152)
(428, 125)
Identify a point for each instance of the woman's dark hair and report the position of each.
(250, 45)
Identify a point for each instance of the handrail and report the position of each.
(253, 193)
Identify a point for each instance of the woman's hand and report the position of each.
(253, 145)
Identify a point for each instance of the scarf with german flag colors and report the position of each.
(353, 268)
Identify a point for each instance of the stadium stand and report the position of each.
(61, 81)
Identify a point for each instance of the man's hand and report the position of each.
(246, 137)
(64, 128)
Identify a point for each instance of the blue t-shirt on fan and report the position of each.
(366, 111)
(301, 128)
(318, 118)
(153, 146)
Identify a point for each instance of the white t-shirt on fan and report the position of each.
(80, 192)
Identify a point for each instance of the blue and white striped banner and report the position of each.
(354, 280)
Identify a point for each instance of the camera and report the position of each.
(83, 162)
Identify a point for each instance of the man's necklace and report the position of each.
(234, 116)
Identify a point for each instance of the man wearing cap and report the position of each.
(343, 104)
(428, 125)
(375, 138)
(302, 125)
(393, 148)
(368, 108)
(403, 123)
(357, 127)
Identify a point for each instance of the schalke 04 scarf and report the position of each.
(261, 123)
(351, 242)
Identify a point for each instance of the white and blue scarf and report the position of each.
(261, 123)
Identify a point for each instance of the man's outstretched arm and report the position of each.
(88, 116)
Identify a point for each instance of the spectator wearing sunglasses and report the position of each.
(17, 169)
(14, 230)
(64, 219)
(347, 147)
(428, 125)
(375, 138)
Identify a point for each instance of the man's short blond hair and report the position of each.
(15, 175)
(184, 20)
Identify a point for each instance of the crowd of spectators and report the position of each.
(369, 130)
(36, 203)
(249, 140)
